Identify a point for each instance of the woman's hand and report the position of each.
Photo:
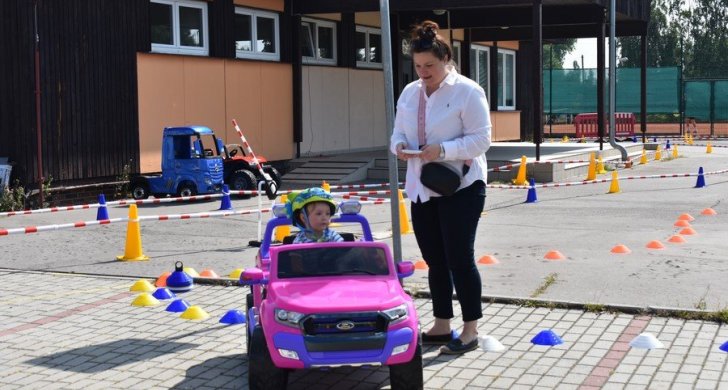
(404, 156)
(430, 152)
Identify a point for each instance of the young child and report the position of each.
(311, 211)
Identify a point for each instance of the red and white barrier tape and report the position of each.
(214, 214)
(361, 197)
(702, 145)
(356, 186)
(339, 194)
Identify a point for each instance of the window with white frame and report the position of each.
(506, 79)
(456, 54)
(318, 41)
(368, 47)
(256, 34)
(480, 66)
(179, 27)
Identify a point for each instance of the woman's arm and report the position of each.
(476, 129)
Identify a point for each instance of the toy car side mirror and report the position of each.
(405, 269)
(252, 276)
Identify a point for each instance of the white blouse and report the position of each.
(457, 116)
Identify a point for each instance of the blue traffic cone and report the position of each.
(531, 197)
(178, 306)
(634, 138)
(102, 213)
(163, 293)
(547, 337)
(667, 146)
(724, 347)
(233, 317)
(654, 139)
(225, 203)
(179, 281)
(701, 179)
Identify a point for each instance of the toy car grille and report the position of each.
(344, 323)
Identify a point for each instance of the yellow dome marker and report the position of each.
(235, 274)
(194, 313)
(142, 285)
(145, 299)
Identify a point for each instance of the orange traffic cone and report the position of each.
(404, 225)
(133, 247)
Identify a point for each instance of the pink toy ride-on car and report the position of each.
(328, 305)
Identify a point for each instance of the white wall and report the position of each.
(343, 110)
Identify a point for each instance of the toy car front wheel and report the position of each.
(186, 189)
(274, 174)
(408, 376)
(262, 373)
(139, 190)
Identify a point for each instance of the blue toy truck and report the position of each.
(191, 165)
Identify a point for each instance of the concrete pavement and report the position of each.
(66, 331)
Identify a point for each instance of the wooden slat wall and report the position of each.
(88, 83)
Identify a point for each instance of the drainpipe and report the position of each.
(37, 105)
(612, 78)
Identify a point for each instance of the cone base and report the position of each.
(140, 258)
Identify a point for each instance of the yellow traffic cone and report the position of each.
(133, 248)
(404, 225)
(600, 165)
(520, 179)
(282, 231)
(658, 154)
(643, 159)
(326, 186)
(614, 187)
(565, 139)
(709, 148)
(674, 151)
(690, 139)
(592, 172)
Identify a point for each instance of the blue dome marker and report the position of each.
(178, 306)
(233, 317)
(163, 293)
(547, 337)
(724, 347)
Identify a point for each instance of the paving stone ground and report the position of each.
(81, 332)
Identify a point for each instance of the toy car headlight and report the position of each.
(287, 317)
(396, 314)
(350, 207)
(208, 181)
(279, 210)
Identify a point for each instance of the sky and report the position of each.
(588, 48)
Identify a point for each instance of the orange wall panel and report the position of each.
(177, 90)
(273, 5)
(506, 125)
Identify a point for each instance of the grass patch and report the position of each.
(548, 281)
(594, 307)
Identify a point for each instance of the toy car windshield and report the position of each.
(332, 261)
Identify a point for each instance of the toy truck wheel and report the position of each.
(139, 189)
(262, 373)
(408, 376)
(243, 180)
(186, 189)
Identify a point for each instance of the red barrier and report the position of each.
(586, 124)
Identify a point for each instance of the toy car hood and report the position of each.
(332, 294)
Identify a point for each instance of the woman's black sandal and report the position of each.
(438, 339)
(456, 347)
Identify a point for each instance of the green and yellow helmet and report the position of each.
(297, 202)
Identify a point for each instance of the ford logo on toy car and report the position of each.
(345, 325)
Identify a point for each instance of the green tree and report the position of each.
(663, 38)
(708, 32)
(560, 49)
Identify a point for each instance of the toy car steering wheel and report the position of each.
(233, 152)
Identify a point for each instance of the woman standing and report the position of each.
(445, 116)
